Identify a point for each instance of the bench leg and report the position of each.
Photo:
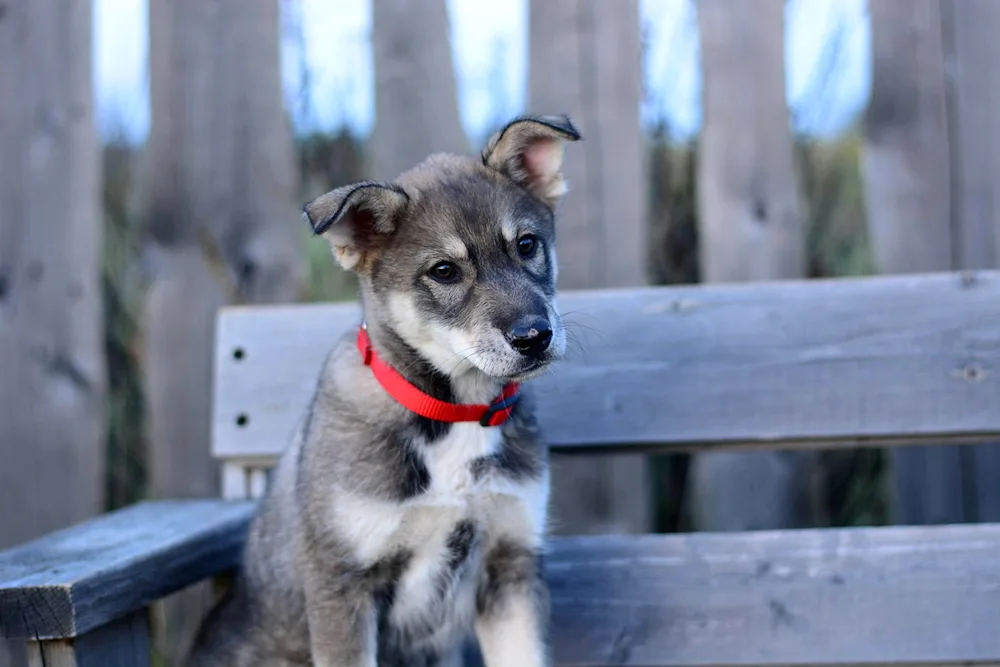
(124, 643)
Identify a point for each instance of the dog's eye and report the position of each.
(526, 246)
(445, 272)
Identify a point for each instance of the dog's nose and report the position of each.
(531, 339)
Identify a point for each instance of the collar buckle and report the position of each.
(499, 411)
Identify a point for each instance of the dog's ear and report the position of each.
(354, 219)
(530, 151)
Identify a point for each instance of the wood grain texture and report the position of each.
(53, 374)
(973, 76)
(750, 227)
(784, 363)
(121, 643)
(751, 224)
(586, 61)
(218, 204)
(973, 58)
(810, 597)
(78, 579)
(906, 160)
(931, 184)
(906, 165)
(416, 98)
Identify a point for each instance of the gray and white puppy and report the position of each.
(386, 538)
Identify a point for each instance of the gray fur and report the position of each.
(386, 539)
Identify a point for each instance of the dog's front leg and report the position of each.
(513, 609)
(342, 627)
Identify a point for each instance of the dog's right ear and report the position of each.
(355, 218)
(530, 151)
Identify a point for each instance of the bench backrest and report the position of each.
(902, 359)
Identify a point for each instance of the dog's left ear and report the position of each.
(530, 151)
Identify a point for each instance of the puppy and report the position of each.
(409, 512)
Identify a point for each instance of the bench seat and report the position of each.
(861, 596)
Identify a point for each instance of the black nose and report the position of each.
(531, 339)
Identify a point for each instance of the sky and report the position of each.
(827, 59)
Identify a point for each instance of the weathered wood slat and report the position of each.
(122, 643)
(927, 190)
(751, 226)
(928, 595)
(973, 65)
(72, 581)
(53, 369)
(825, 362)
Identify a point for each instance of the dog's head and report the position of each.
(457, 255)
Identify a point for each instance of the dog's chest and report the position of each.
(445, 530)
(450, 463)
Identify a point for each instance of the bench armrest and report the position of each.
(86, 576)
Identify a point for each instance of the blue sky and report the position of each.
(827, 58)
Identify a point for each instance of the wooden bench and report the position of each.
(879, 361)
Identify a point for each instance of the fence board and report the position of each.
(786, 362)
(53, 377)
(975, 135)
(750, 227)
(586, 60)
(930, 170)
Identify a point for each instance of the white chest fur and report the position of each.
(497, 504)
(450, 464)
(429, 593)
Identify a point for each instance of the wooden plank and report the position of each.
(810, 597)
(906, 165)
(974, 75)
(931, 168)
(416, 99)
(72, 581)
(973, 62)
(751, 227)
(813, 363)
(219, 209)
(122, 643)
(53, 372)
(906, 160)
(751, 224)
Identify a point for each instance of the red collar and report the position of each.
(427, 406)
